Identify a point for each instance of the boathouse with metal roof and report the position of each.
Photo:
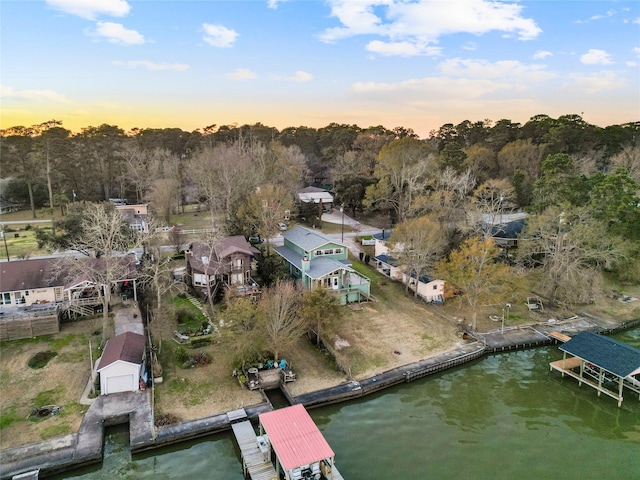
(300, 449)
(605, 364)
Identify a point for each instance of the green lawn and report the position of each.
(21, 243)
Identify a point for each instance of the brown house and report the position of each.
(229, 263)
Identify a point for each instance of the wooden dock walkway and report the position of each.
(255, 462)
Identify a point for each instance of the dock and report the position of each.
(256, 458)
(604, 364)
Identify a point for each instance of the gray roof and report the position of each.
(324, 266)
(613, 356)
(308, 239)
(319, 267)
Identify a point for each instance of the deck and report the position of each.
(255, 461)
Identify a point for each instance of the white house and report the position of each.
(122, 363)
(429, 290)
(316, 195)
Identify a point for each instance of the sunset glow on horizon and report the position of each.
(416, 64)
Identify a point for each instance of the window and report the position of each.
(435, 287)
(26, 293)
(237, 262)
(329, 251)
(5, 299)
(338, 251)
(319, 253)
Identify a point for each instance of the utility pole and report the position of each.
(4, 238)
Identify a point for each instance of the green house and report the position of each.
(322, 262)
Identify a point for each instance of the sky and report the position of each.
(413, 63)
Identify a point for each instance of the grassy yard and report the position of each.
(21, 242)
(59, 379)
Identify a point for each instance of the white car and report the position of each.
(282, 226)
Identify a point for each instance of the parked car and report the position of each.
(254, 239)
(282, 226)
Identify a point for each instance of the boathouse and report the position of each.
(300, 449)
(602, 363)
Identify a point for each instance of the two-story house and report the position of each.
(321, 262)
(230, 261)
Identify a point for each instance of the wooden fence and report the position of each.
(16, 327)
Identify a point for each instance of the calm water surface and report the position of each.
(503, 417)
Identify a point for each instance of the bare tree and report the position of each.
(628, 157)
(280, 321)
(105, 236)
(417, 245)
(572, 249)
(403, 169)
(490, 202)
(164, 197)
(222, 174)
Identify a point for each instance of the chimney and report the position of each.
(305, 265)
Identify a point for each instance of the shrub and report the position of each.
(182, 355)
(40, 359)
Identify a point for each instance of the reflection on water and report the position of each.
(503, 417)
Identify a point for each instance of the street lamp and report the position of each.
(508, 305)
(342, 230)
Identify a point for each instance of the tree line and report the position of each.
(578, 181)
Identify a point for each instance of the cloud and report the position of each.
(116, 33)
(274, 3)
(410, 28)
(636, 50)
(510, 70)
(594, 83)
(219, 36)
(431, 88)
(153, 66)
(540, 54)
(461, 79)
(471, 46)
(90, 9)
(32, 95)
(242, 74)
(301, 77)
(596, 57)
(402, 49)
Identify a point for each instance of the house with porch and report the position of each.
(26, 283)
(322, 262)
(229, 262)
(137, 216)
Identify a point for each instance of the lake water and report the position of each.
(505, 416)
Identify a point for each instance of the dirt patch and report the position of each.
(61, 382)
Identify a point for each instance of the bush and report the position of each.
(40, 359)
(181, 355)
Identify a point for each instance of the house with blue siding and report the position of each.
(322, 262)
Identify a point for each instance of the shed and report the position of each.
(602, 363)
(300, 448)
(122, 363)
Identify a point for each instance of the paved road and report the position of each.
(22, 222)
